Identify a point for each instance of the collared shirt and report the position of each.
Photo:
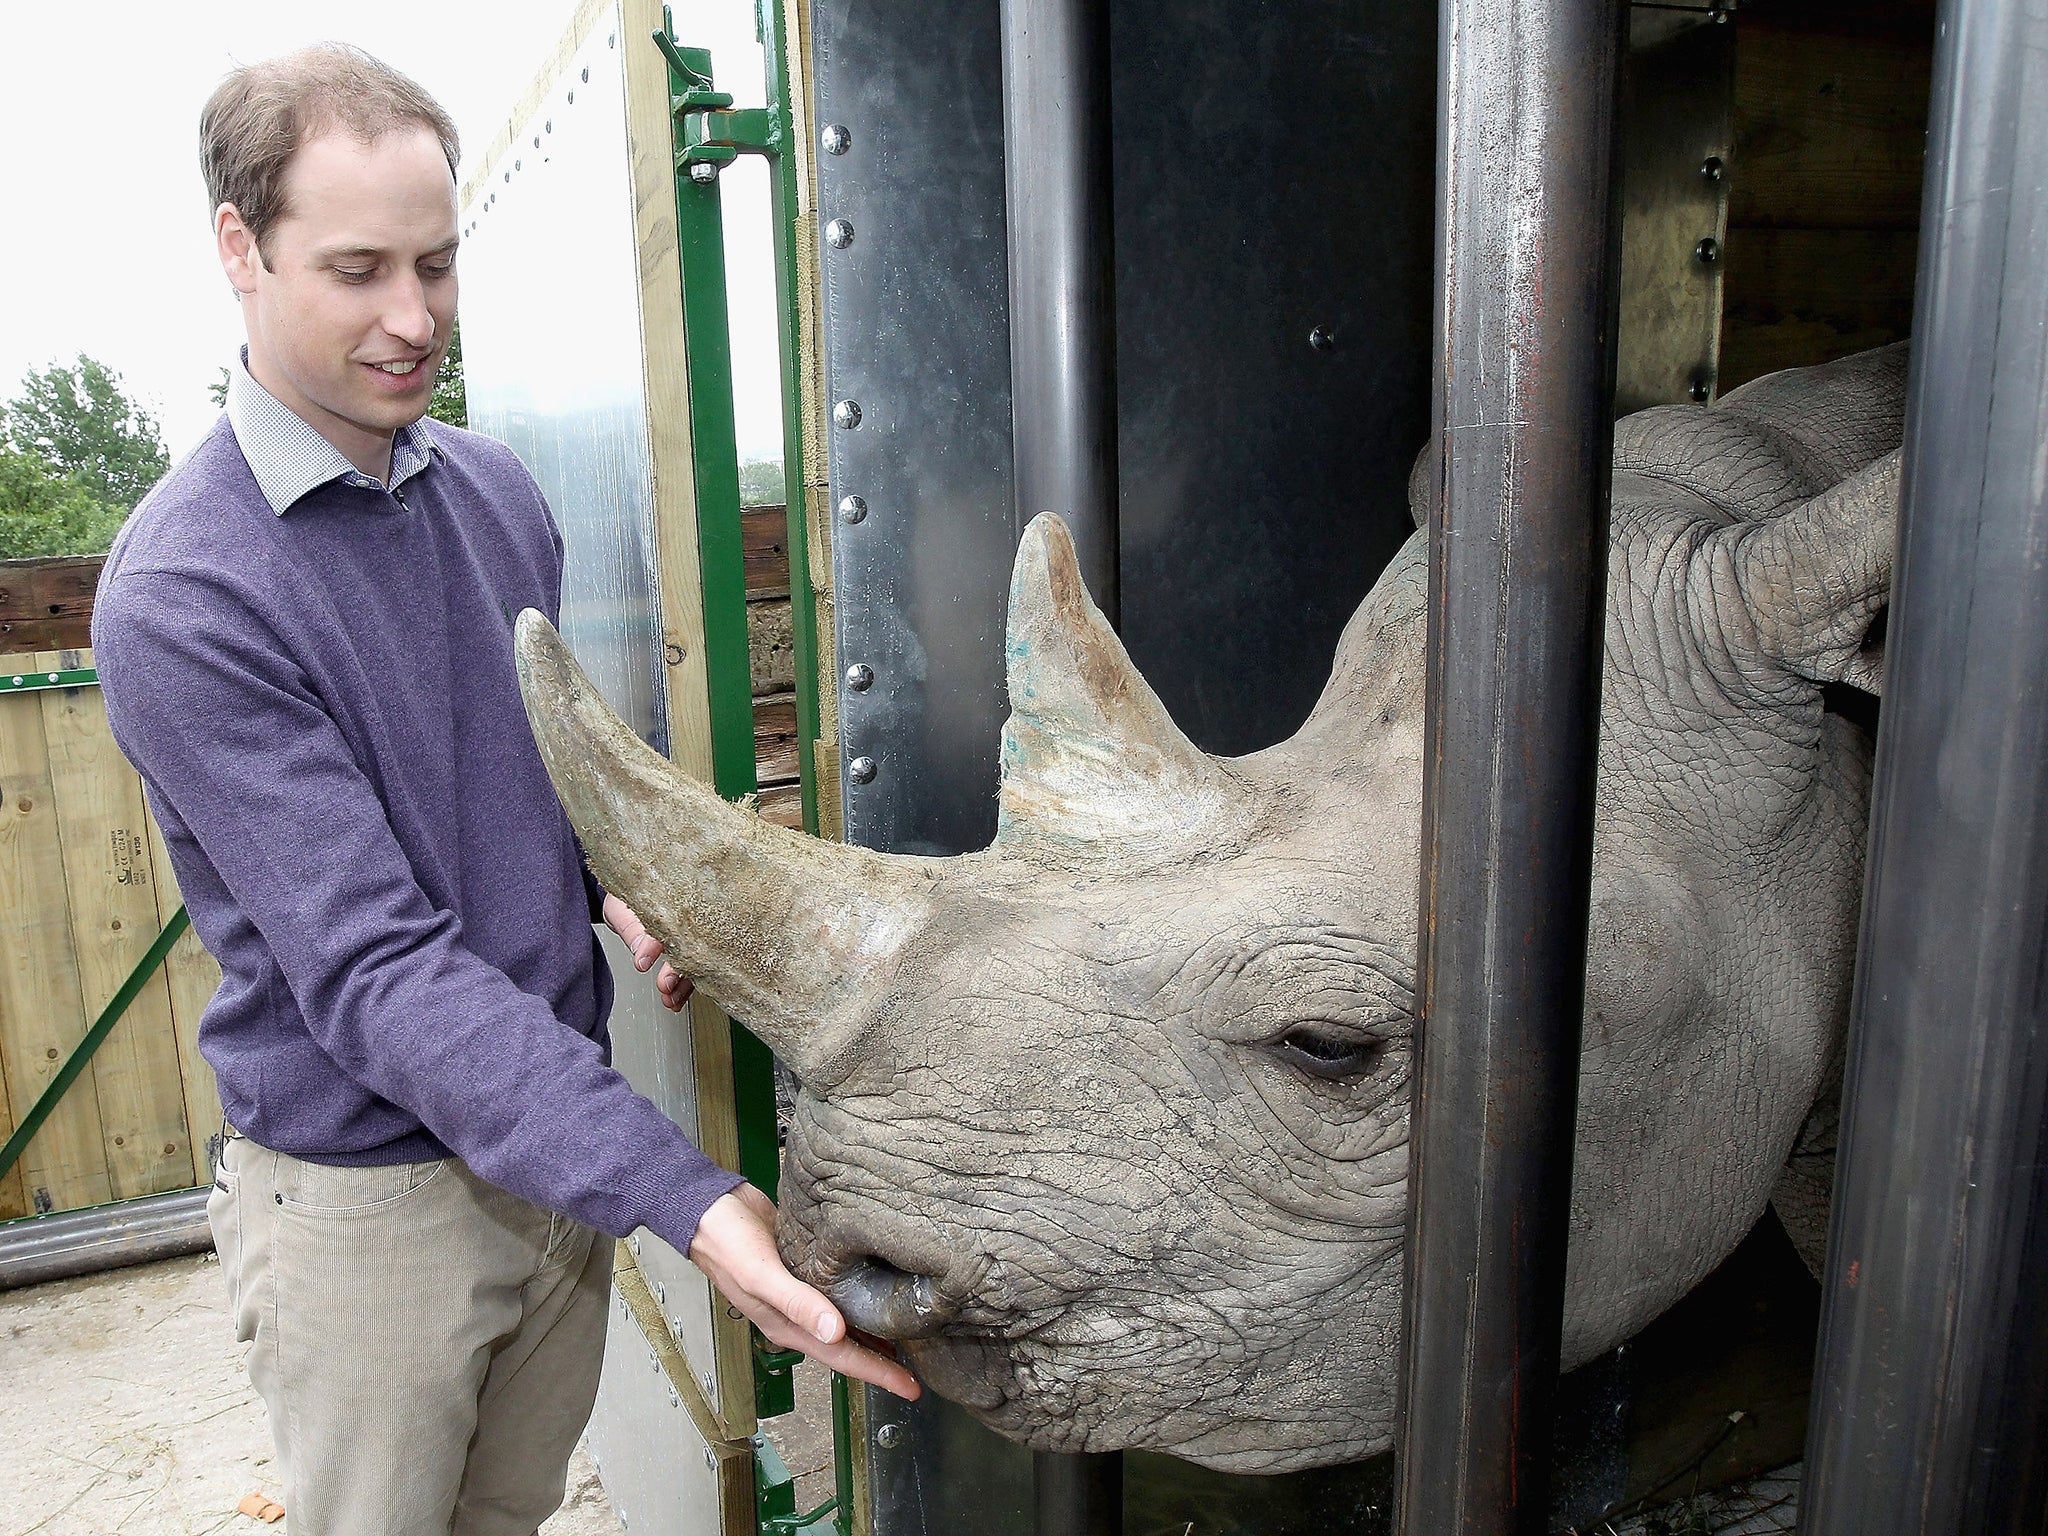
(289, 458)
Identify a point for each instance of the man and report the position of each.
(304, 637)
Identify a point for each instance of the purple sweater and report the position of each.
(323, 708)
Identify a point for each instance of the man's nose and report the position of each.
(407, 317)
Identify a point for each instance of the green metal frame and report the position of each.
(35, 682)
(708, 134)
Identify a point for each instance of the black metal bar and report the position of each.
(1078, 1495)
(1056, 174)
(1931, 1395)
(1527, 235)
(1056, 169)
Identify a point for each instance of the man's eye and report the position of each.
(442, 270)
(353, 275)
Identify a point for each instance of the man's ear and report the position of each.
(1814, 579)
(239, 257)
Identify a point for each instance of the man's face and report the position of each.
(350, 301)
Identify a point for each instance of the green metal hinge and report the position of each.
(775, 1499)
(95, 1037)
(31, 682)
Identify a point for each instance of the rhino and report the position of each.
(1107, 1124)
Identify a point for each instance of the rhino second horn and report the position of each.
(1089, 754)
(785, 931)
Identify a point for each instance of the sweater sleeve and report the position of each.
(230, 732)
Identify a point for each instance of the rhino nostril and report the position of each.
(878, 1298)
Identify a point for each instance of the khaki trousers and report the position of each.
(427, 1345)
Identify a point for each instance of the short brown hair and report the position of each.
(260, 115)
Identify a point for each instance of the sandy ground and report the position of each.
(123, 1409)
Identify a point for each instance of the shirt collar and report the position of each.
(288, 458)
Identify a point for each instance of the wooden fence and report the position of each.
(85, 888)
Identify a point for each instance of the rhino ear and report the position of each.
(1089, 752)
(1815, 579)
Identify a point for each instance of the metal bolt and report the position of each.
(861, 770)
(702, 171)
(1321, 339)
(710, 1458)
(836, 139)
(889, 1436)
(675, 1398)
(1714, 168)
(654, 1362)
(860, 677)
(846, 414)
(852, 509)
(1707, 252)
(839, 234)
(660, 1292)
(633, 1243)
(586, 76)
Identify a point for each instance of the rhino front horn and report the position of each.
(785, 931)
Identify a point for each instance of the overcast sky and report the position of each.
(108, 248)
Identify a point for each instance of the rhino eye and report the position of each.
(1323, 1052)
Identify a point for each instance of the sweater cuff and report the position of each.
(671, 1209)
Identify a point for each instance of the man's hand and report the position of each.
(674, 987)
(735, 1246)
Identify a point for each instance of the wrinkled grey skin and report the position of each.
(1130, 1089)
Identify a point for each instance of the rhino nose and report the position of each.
(877, 1297)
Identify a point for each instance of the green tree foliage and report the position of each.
(43, 513)
(81, 421)
(451, 397)
(76, 455)
(761, 483)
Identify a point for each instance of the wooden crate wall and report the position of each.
(1830, 131)
(85, 888)
(764, 534)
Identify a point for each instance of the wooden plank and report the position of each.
(102, 826)
(783, 804)
(775, 760)
(193, 976)
(1830, 126)
(42, 1015)
(1802, 296)
(47, 604)
(764, 548)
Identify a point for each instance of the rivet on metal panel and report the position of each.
(1714, 168)
(654, 1362)
(861, 770)
(675, 1398)
(710, 1458)
(702, 171)
(852, 509)
(889, 1436)
(860, 677)
(846, 414)
(1321, 339)
(836, 139)
(710, 1385)
(1707, 252)
(839, 234)
(633, 1243)
(660, 1292)
(586, 76)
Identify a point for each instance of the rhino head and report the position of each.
(1108, 1123)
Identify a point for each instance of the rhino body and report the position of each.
(1109, 1122)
